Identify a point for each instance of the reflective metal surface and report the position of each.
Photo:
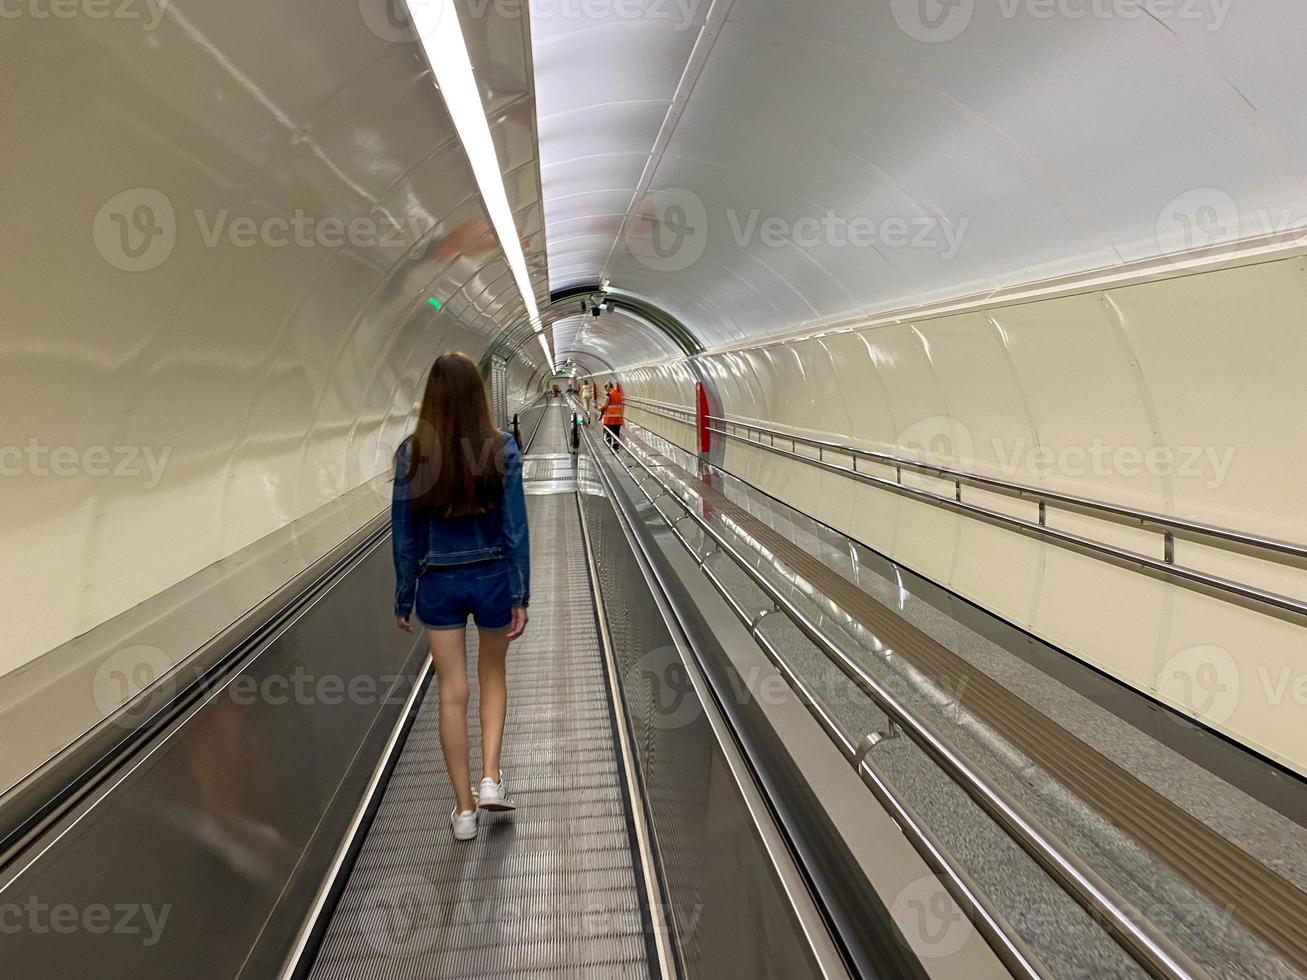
(1152, 949)
(216, 835)
(51, 702)
(709, 856)
(669, 717)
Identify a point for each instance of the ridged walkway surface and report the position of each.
(550, 891)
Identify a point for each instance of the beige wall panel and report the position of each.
(998, 569)
(1105, 615)
(1086, 400)
(874, 516)
(834, 492)
(1097, 382)
(925, 539)
(1223, 355)
(790, 405)
(757, 388)
(1239, 671)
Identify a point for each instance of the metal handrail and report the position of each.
(1164, 567)
(529, 406)
(1152, 950)
(1132, 515)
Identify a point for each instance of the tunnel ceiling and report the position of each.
(615, 338)
(761, 166)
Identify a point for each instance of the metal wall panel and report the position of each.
(218, 835)
(720, 889)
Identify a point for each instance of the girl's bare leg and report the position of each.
(449, 654)
(492, 679)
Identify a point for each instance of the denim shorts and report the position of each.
(447, 596)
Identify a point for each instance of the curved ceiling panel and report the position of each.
(218, 270)
(794, 166)
(616, 338)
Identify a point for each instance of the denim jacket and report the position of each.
(421, 542)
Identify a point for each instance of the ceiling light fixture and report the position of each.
(438, 28)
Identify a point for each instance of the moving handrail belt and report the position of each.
(1154, 952)
(52, 789)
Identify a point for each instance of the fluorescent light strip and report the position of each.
(438, 28)
(549, 356)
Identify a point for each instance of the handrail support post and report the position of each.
(869, 741)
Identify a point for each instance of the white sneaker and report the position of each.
(491, 796)
(464, 823)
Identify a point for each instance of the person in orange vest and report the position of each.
(612, 414)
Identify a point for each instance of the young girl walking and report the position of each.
(458, 519)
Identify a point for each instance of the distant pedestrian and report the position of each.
(587, 398)
(613, 415)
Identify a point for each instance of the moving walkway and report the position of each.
(718, 774)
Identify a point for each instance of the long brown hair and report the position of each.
(456, 457)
